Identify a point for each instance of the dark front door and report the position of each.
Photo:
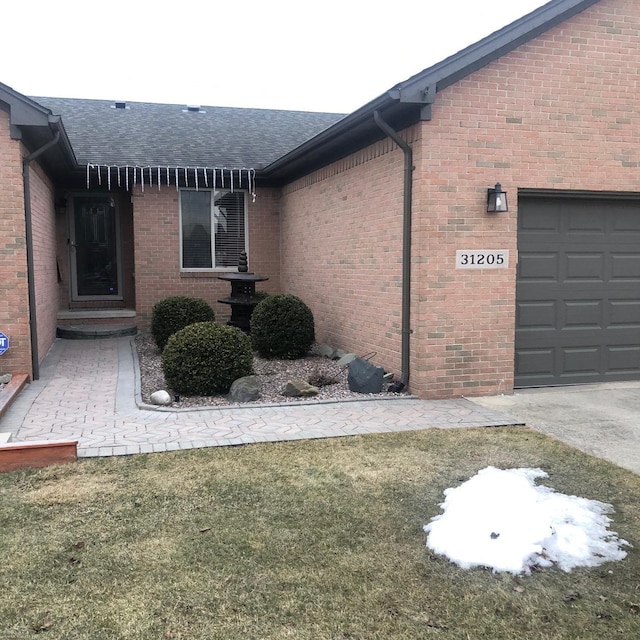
(95, 249)
(578, 290)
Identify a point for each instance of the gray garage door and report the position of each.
(578, 290)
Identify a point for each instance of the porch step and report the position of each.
(95, 314)
(95, 331)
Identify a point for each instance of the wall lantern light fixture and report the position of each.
(497, 199)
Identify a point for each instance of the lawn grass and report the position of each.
(306, 540)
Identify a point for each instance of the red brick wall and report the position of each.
(157, 252)
(44, 258)
(14, 306)
(559, 112)
(342, 250)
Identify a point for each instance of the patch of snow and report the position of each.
(501, 519)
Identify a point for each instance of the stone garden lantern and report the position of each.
(243, 298)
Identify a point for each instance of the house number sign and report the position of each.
(482, 259)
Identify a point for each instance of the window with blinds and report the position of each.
(212, 228)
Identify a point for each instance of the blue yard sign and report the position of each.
(4, 343)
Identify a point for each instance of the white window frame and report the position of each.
(212, 225)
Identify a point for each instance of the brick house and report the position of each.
(378, 220)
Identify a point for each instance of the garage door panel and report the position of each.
(623, 358)
(578, 291)
(537, 363)
(538, 266)
(585, 221)
(583, 360)
(583, 314)
(625, 266)
(624, 314)
(626, 221)
(541, 222)
(540, 314)
(584, 266)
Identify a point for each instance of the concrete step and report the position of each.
(95, 331)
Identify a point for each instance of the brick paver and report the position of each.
(87, 392)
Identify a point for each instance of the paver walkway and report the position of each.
(87, 392)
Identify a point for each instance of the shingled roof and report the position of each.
(172, 135)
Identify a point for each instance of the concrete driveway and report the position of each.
(601, 419)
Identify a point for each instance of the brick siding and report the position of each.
(43, 225)
(558, 112)
(342, 250)
(157, 252)
(14, 303)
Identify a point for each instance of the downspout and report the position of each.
(406, 246)
(33, 330)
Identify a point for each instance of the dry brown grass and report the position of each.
(304, 540)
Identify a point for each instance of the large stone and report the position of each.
(6, 378)
(346, 359)
(323, 350)
(364, 377)
(161, 398)
(299, 389)
(245, 389)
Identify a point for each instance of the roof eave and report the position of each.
(35, 125)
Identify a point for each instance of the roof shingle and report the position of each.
(148, 134)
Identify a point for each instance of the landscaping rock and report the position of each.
(338, 353)
(323, 350)
(161, 398)
(299, 389)
(246, 389)
(346, 359)
(6, 378)
(364, 377)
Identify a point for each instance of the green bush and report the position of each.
(175, 313)
(282, 327)
(205, 358)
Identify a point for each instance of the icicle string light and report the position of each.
(185, 177)
(252, 183)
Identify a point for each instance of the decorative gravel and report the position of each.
(273, 376)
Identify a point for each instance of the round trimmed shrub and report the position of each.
(282, 327)
(175, 313)
(205, 358)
